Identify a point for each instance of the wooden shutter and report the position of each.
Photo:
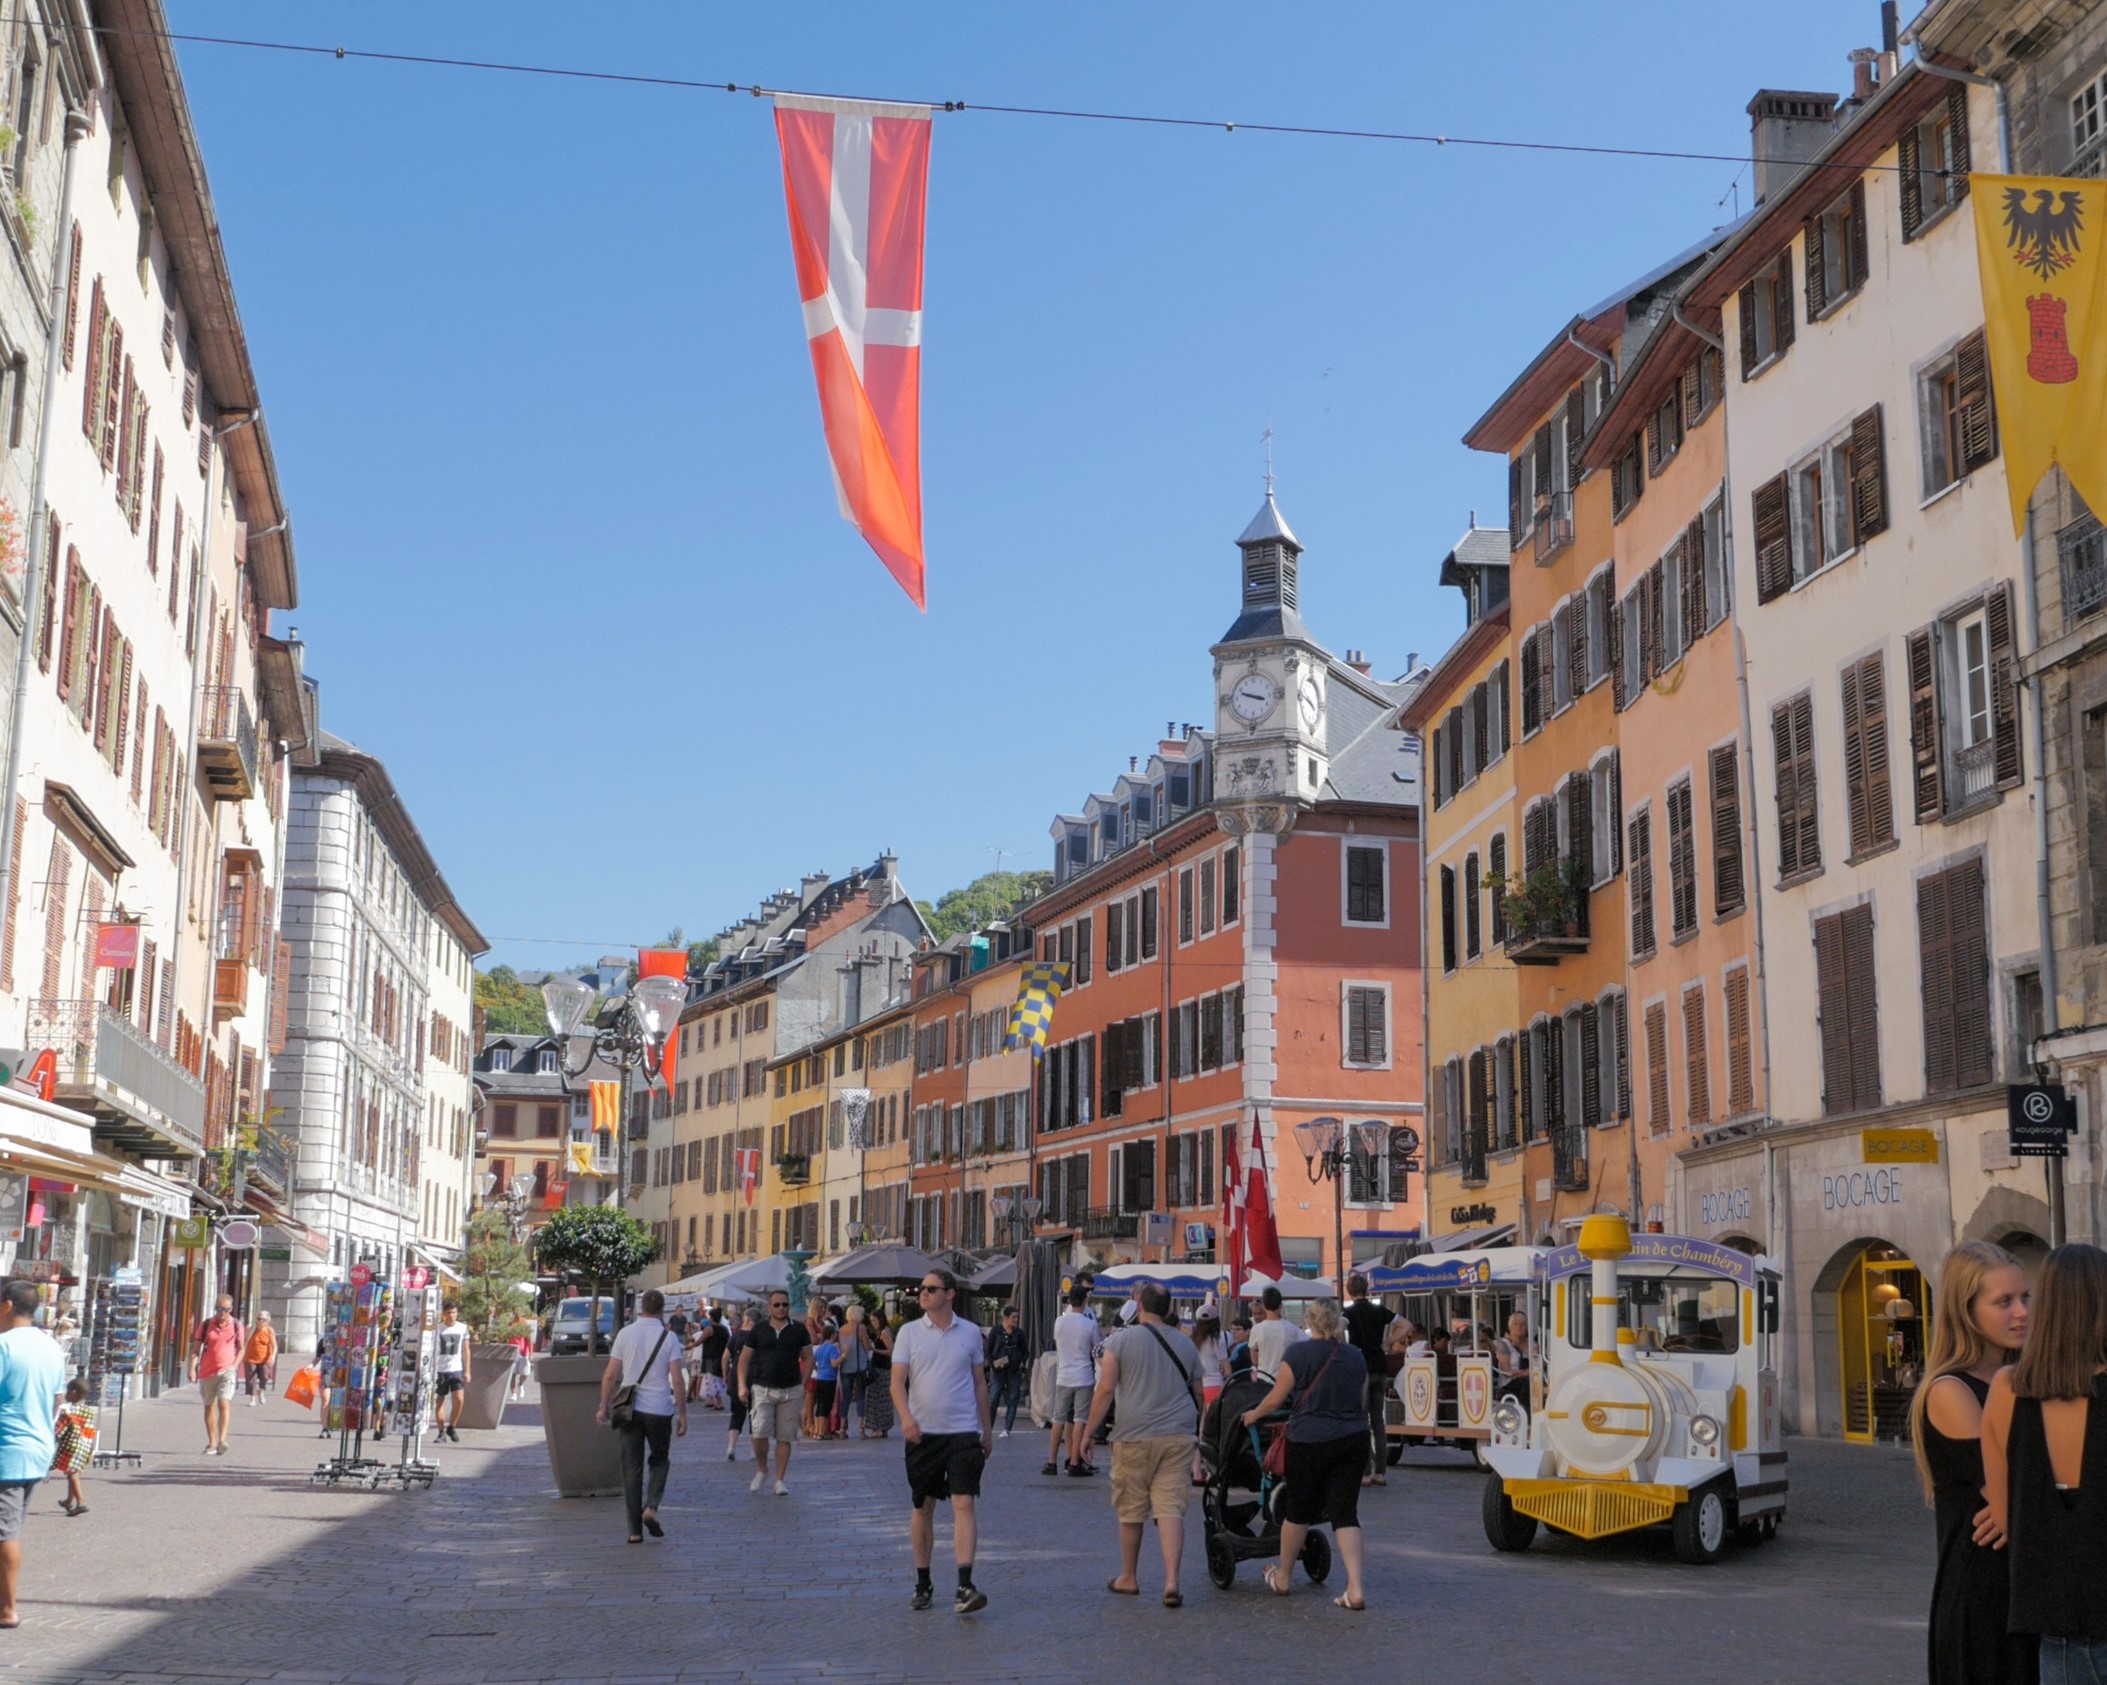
(1935, 961)
(1516, 524)
(1856, 797)
(1831, 986)
(1963, 161)
(1691, 388)
(1907, 161)
(1577, 644)
(1448, 918)
(1873, 715)
(1682, 859)
(91, 386)
(1532, 695)
(1615, 816)
(1453, 736)
(13, 912)
(1543, 464)
(1772, 510)
(1729, 884)
(1817, 267)
(1623, 1047)
(1656, 446)
(1472, 943)
(112, 393)
(1697, 614)
(2004, 691)
(1857, 262)
(1869, 478)
(1783, 325)
(1639, 883)
(1590, 1067)
(1697, 1060)
(1657, 1117)
(1148, 924)
(1502, 691)
(1115, 917)
(1576, 434)
(1525, 1094)
(1747, 312)
(1613, 629)
(1656, 620)
(1974, 1052)
(1741, 1088)
(1975, 401)
(72, 297)
(1481, 733)
(1786, 766)
(1862, 1006)
(1496, 865)
(1925, 730)
(1580, 827)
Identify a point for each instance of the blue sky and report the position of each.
(570, 558)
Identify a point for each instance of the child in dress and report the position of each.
(76, 1444)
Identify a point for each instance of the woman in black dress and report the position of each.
(1980, 1320)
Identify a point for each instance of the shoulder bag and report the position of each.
(1276, 1459)
(1177, 1363)
(621, 1409)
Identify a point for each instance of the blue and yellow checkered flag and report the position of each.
(1030, 1019)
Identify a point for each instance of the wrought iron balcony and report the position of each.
(794, 1170)
(1104, 1223)
(1474, 1157)
(1547, 915)
(140, 1098)
(1973, 774)
(1569, 1158)
(227, 743)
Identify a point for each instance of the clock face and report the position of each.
(1253, 698)
(1312, 703)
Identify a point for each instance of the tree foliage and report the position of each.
(510, 1007)
(991, 896)
(492, 1267)
(597, 1242)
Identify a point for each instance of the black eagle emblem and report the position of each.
(2044, 237)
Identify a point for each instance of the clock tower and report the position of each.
(1271, 683)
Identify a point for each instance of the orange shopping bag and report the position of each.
(301, 1388)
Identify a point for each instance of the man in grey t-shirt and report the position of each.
(1151, 1375)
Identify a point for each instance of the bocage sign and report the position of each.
(1730, 1205)
(1860, 1188)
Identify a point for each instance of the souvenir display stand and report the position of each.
(376, 1378)
(116, 1313)
(410, 1383)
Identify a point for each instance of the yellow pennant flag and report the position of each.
(2039, 240)
(607, 1104)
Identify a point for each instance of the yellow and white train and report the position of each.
(1655, 1397)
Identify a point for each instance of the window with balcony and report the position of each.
(1964, 709)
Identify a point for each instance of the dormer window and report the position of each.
(1143, 811)
(1181, 791)
(501, 1058)
(1078, 848)
(545, 1064)
(1108, 836)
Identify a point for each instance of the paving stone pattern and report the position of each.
(195, 1569)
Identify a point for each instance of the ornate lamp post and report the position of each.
(1018, 1214)
(513, 1201)
(1330, 1149)
(634, 1036)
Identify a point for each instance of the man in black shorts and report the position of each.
(940, 1394)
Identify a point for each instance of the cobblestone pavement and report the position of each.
(195, 1569)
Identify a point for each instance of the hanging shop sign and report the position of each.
(190, 1233)
(238, 1234)
(1899, 1146)
(2039, 1120)
(117, 946)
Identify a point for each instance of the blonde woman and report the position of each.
(1327, 1431)
(2045, 1468)
(1978, 1324)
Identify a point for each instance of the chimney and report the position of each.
(1786, 129)
(1357, 661)
(1890, 28)
(1863, 61)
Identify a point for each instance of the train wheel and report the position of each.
(1701, 1526)
(1317, 1557)
(1505, 1526)
(1221, 1561)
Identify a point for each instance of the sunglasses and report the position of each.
(932, 1287)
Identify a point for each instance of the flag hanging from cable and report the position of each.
(749, 1166)
(1261, 1240)
(607, 1104)
(2038, 245)
(1041, 984)
(856, 175)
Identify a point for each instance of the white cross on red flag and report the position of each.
(1231, 1251)
(857, 176)
(1261, 1239)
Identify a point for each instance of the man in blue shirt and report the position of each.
(32, 1378)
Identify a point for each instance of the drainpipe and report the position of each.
(34, 584)
(1603, 357)
(1997, 90)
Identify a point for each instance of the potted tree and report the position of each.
(493, 1267)
(602, 1247)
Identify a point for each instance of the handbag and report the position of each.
(300, 1389)
(621, 1409)
(1275, 1461)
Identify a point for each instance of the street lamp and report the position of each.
(1019, 1212)
(514, 1202)
(635, 1035)
(1329, 1151)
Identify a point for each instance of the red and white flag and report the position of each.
(749, 1166)
(857, 178)
(1231, 1250)
(1261, 1239)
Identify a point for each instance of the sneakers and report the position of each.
(1051, 1468)
(923, 1597)
(760, 1480)
(1004, 1434)
(1080, 1470)
(782, 1489)
(970, 1599)
(454, 1434)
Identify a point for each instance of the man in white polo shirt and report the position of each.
(940, 1394)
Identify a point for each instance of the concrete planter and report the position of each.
(489, 1383)
(585, 1458)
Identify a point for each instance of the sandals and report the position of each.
(651, 1526)
(1276, 1587)
(1174, 1600)
(1342, 1601)
(1118, 1590)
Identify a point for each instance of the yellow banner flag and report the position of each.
(607, 1104)
(2038, 241)
(581, 1158)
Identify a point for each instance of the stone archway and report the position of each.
(1829, 1314)
(2016, 1221)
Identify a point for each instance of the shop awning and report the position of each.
(41, 1139)
(1474, 1240)
(445, 1272)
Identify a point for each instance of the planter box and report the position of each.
(585, 1458)
(489, 1384)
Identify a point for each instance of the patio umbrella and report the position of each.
(997, 1275)
(1291, 1287)
(877, 1266)
(1037, 1291)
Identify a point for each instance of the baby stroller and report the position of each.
(1240, 1505)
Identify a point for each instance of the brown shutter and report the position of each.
(1787, 769)
(1613, 624)
(1747, 313)
(1924, 728)
(112, 393)
(1972, 396)
(1873, 716)
(1693, 395)
(1697, 608)
(2004, 691)
(1657, 621)
(1729, 889)
(1856, 797)
(1772, 508)
(1741, 1087)
(1906, 164)
(1532, 697)
(1862, 1001)
(1516, 522)
(1654, 443)
(1639, 883)
(1590, 1067)
(1657, 1116)
(1697, 1062)
(1810, 843)
(1869, 478)
(1860, 266)
(91, 387)
(72, 298)
(1783, 325)
(1974, 1053)
(1831, 984)
(1577, 643)
(14, 898)
(1543, 462)
(1503, 687)
(1935, 961)
(1963, 163)
(1576, 434)
(1616, 813)
(1523, 1102)
(1817, 268)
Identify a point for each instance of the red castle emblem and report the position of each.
(2049, 356)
